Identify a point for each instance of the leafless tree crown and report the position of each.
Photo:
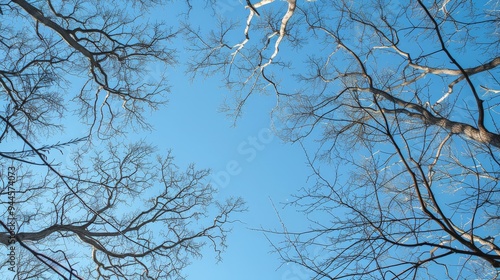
(108, 211)
(400, 100)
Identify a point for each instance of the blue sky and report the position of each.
(246, 160)
(245, 157)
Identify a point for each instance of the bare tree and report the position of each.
(117, 212)
(141, 216)
(401, 99)
(92, 54)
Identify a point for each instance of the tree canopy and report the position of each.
(114, 208)
(395, 104)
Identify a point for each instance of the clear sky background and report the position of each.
(246, 160)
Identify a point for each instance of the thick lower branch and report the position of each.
(456, 72)
(40, 17)
(478, 135)
(413, 110)
(40, 235)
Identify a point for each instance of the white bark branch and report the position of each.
(289, 13)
